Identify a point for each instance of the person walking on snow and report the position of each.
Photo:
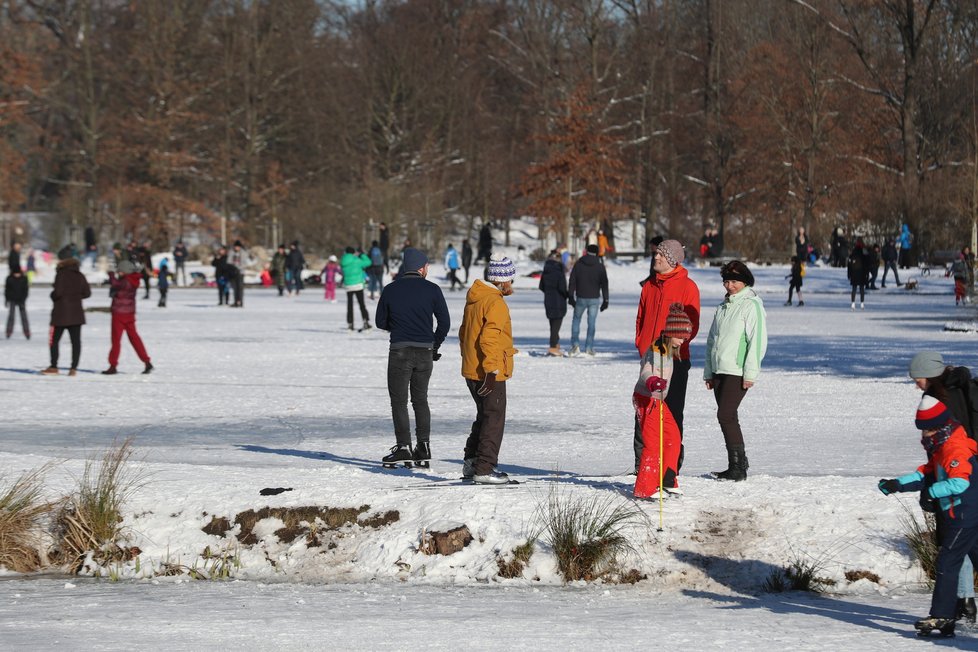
(123, 287)
(354, 269)
(660, 434)
(67, 314)
(330, 272)
(668, 283)
(375, 273)
(279, 269)
(947, 488)
(735, 348)
(15, 296)
(466, 258)
(889, 256)
(295, 263)
(180, 263)
(406, 309)
(587, 291)
(486, 340)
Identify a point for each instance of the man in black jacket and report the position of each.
(587, 290)
(406, 309)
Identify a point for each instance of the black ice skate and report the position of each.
(945, 626)
(967, 610)
(422, 455)
(400, 453)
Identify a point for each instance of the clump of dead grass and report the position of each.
(23, 512)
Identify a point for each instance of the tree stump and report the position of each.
(445, 540)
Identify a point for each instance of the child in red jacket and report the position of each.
(123, 290)
(947, 488)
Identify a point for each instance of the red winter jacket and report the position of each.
(124, 290)
(658, 294)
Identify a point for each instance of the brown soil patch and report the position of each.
(298, 520)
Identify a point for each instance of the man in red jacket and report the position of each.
(669, 283)
(123, 289)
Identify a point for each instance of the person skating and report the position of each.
(857, 270)
(796, 277)
(668, 283)
(222, 274)
(553, 284)
(123, 287)
(15, 293)
(67, 314)
(587, 291)
(238, 260)
(330, 273)
(354, 268)
(660, 434)
(279, 269)
(296, 262)
(406, 308)
(735, 348)
(484, 244)
(466, 258)
(180, 263)
(145, 258)
(946, 486)
(163, 281)
(889, 255)
(486, 341)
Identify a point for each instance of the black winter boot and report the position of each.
(737, 465)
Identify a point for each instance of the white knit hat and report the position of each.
(501, 269)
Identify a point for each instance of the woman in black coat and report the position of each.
(554, 287)
(67, 313)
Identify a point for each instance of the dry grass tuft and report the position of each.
(856, 575)
(922, 539)
(22, 514)
(90, 520)
(521, 557)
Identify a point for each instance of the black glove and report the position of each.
(571, 302)
(927, 502)
(435, 355)
(889, 486)
(488, 385)
(604, 305)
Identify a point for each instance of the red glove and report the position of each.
(656, 384)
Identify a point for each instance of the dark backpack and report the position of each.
(962, 399)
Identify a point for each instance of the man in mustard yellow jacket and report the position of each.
(486, 338)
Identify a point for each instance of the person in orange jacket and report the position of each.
(123, 287)
(668, 284)
(486, 340)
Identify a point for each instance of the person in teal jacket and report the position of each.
(354, 272)
(734, 349)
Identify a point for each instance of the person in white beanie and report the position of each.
(486, 341)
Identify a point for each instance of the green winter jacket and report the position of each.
(353, 267)
(738, 337)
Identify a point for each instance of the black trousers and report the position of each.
(676, 402)
(555, 332)
(74, 333)
(408, 373)
(486, 435)
(349, 307)
(729, 392)
(238, 286)
(862, 293)
(11, 318)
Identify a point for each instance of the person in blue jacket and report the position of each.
(946, 489)
(406, 308)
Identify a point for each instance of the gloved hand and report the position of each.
(656, 384)
(927, 502)
(889, 486)
(488, 385)
(435, 355)
(604, 306)
(572, 302)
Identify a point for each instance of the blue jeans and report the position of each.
(966, 579)
(591, 305)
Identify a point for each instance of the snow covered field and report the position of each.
(280, 395)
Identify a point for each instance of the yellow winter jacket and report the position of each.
(486, 333)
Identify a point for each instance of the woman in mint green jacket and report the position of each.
(734, 350)
(353, 266)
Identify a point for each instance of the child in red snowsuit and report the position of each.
(329, 274)
(660, 433)
(123, 289)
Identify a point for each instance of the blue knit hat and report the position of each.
(501, 269)
(413, 259)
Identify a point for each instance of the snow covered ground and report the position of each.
(279, 394)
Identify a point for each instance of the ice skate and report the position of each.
(422, 455)
(493, 477)
(400, 453)
(944, 626)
